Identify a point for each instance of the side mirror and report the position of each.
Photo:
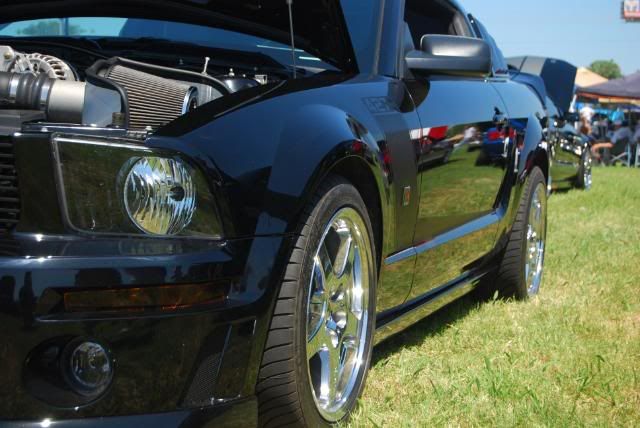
(451, 55)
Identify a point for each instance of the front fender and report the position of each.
(266, 158)
(307, 155)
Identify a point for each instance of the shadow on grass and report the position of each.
(434, 324)
(562, 191)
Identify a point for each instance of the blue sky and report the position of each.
(579, 31)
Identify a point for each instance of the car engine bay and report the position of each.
(44, 91)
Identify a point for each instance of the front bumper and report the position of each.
(185, 367)
(239, 413)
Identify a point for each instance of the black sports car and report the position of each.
(211, 210)
(571, 159)
(570, 151)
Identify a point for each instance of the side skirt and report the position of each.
(394, 321)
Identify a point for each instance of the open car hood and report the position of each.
(559, 77)
(319, 25)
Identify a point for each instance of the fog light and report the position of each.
(89, 368)
(160, 195)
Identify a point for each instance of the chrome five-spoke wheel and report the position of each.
(338, 313)
(587, 178)
(536, 240)
(318, 347)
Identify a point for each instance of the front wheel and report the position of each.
(319, 344)
(520, 271)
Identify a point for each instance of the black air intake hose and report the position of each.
(61, 100)
(23, 91)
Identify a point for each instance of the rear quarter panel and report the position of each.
(531, 147)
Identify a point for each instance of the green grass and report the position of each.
(570, 357)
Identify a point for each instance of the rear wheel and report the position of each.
(521, 267)
(584, 179)
(320, 339)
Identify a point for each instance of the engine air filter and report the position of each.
(153, 101)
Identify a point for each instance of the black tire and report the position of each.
(284, 390)
(510, 281)
(583, 179)
(447, 156)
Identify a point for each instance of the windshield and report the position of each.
(552, 109)
(129, 28)
(498, 61)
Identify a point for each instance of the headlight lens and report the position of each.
(159, 195)
(122, 188)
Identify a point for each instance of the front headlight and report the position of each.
(160, 195)
(121, 188)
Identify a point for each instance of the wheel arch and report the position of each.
(335, 143)
(541, 160)
(356, 170)
(535, 151)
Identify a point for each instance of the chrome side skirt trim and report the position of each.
(415, 310)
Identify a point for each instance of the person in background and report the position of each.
(635, 146)
(586, 113)
(635, 141)
(621, 131)
(599, 128)
(585, 127)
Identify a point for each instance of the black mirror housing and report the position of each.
(455, 55)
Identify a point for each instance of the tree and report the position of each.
(609, 69)
(51, 27)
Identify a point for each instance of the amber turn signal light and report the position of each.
(142, 299)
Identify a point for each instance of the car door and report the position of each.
(462, 156)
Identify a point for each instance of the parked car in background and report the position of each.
(570, 150)
(201, 225)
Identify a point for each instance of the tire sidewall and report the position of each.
(338, 197)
